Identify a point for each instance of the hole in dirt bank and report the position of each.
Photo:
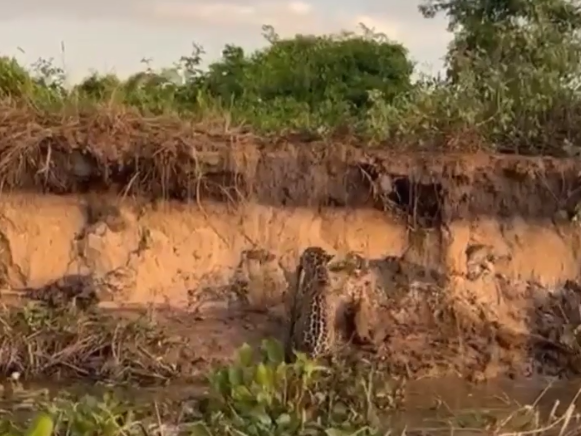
(66, 171)
(422, 202)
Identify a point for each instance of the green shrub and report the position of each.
(272, 397)
(511, 83)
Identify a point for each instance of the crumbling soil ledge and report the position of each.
(168, 158)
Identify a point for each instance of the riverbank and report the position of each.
(258, 394)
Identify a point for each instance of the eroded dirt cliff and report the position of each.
(475, 252)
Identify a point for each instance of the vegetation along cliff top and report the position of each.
(510, 87)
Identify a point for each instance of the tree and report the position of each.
(314, 69)
(226, 79)
(519, 61)
(538, 33)
(98, 87)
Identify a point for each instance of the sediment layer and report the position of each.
(120, 152)
(170, 251)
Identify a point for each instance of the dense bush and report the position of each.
(511, 83)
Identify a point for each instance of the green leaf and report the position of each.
(220, 382)
(273, 351)
(264, 376)
(235, 377)
(245, 355)
(281, 372)
(284, 420)
(259, 414)
(43, 425)
(242, 394)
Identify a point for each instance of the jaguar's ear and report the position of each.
(329, 257)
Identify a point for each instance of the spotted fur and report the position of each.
(318, 303)
(310, 317)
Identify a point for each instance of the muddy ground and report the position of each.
(433, 327)
(433, 331)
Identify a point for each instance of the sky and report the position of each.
(113, 36)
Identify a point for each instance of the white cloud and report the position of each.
(300, 8)
(287, 17)
(228, 13)
(209, 13)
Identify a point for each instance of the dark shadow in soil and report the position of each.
(432, 332)
(425, 188)
(555, 341)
